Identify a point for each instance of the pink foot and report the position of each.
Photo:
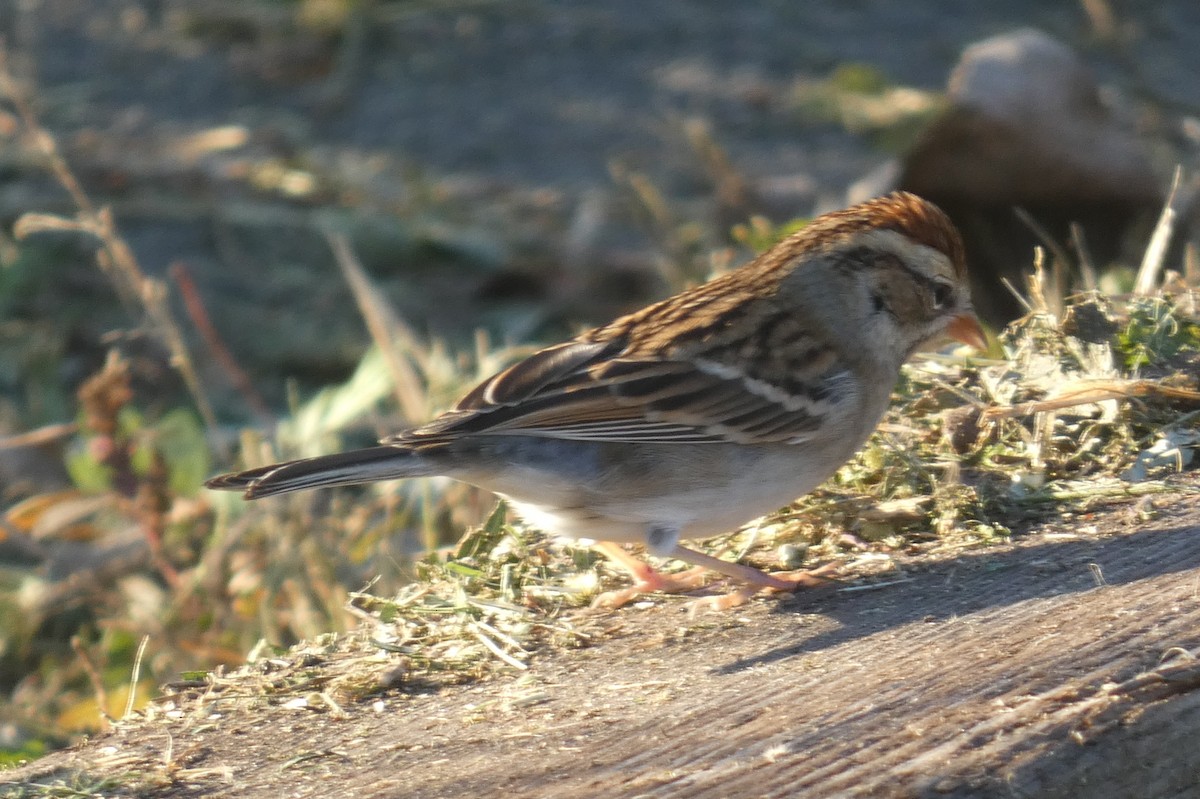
(780, 583)
(648, 581)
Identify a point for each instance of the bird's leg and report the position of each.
(645, 579)
(736, 571)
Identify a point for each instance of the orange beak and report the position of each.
(965, 328)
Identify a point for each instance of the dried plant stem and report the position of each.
(1036, 284)
(496, 650)
(1156, 250)
(1093, 489)
(136, 676)
(1048, 291)
(94, 677)
(1087, 268)
(1087, 392)
(115, 257)
(194, 304)
(42, 435)
(397, 342)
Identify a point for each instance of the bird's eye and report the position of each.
(941, 295)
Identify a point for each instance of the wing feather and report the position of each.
(586, 391)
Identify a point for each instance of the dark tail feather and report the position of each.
(343, 468)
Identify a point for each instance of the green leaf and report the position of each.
(331, 410)
(858, 78)
(88, 474)
(481, 541)
(180, 438)
(463, 570)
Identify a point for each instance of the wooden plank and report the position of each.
(1061, 666)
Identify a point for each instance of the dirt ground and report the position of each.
(1063, 665)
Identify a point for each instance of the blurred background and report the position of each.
(176, 178)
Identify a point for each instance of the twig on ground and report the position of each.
(1086, 392)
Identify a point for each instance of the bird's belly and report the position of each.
(699, 492)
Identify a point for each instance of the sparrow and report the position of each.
(698, 413)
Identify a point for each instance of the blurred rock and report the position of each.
(1025, 128)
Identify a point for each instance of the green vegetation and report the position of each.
(860, 98)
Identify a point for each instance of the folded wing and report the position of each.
(586, 391)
